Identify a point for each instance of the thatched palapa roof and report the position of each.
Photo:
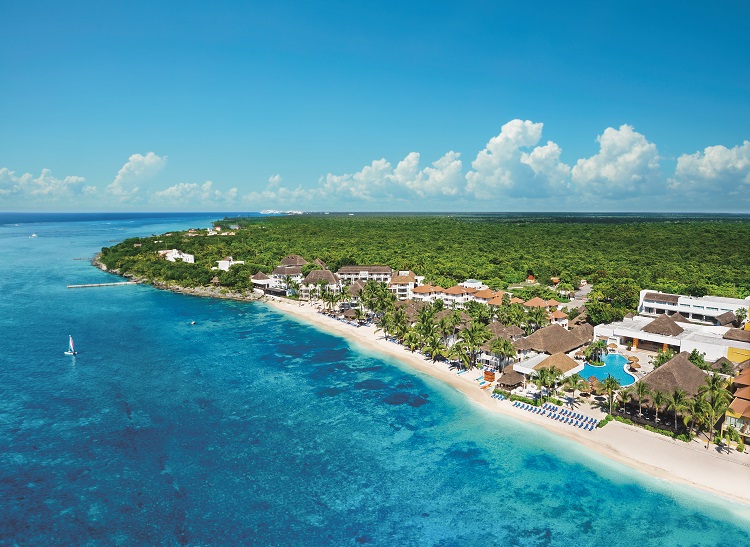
(510, 378)
(738, 335)
(726, 318)
(316, 276)
(556, 339)
(664, 326)
(677, 373)
(293, 260)
(663, 298)
(560, 361)
(679, 318)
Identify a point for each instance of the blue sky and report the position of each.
(387, 106)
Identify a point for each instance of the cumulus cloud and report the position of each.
(716, 169)
(44, 187)
(138, 169)
(190, 193)
(380, 180)
(504, 167)
(626, 162)
(275, 194)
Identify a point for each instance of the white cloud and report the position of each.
(716, 169)
(545, 162)
(503, 168)
(626, 162)
(274, 194)
(45, 187)
(380, 180)
(190, 193)
(366, 184)
(139, 168)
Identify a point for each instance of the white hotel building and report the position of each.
(709, 310)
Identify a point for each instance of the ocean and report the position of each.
(251, 428)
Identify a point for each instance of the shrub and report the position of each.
(523, 400)
(740, 446)
(605, 421)
(664, 432)
(624, 420)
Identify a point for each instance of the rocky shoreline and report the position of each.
(205, 292)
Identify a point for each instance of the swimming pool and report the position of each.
(614, 364)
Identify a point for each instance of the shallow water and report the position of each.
(252, 428)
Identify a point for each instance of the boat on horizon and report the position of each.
(71, 347)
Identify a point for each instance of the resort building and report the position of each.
(498, 330)
(738, 413)
(665, 332)
(319, 280)
(485, 296)
(473, 284)
(227, 263)
(562, 362)
(283, 275)
(349, 274)
(456, 296)
(293, 260)
(261, 281)
(554, 339)
(677, 373)
(173, 255)
(403, 283)
(712, 310)
(536, 302)
(559, 317)
(427, 293)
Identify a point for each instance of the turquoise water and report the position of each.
(252, 428)
(613, 365)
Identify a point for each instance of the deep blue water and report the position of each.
(251, 428)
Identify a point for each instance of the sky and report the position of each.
(379, 106)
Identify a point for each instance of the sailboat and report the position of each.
(71, 347)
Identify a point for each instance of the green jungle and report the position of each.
(620, 257)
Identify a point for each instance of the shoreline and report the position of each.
(724, 475)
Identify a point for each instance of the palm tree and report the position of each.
(593, 352)
(474, 336)
(435, 347)
(514, 315)
(555, 374)
(445, 326)
(658, 399)
(458, 352)
(411, 340)
(385, 323)
(537, 318)
(676, 401)
(292, 284)
(627, 394)
(542, 378)
(503, 348)
(715, 387)
(575, 383)
(641, 391)
(711, 410)
(611, 385)
(716, 397)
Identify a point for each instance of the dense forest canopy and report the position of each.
(620, 256)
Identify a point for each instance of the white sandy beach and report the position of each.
(725, 473)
